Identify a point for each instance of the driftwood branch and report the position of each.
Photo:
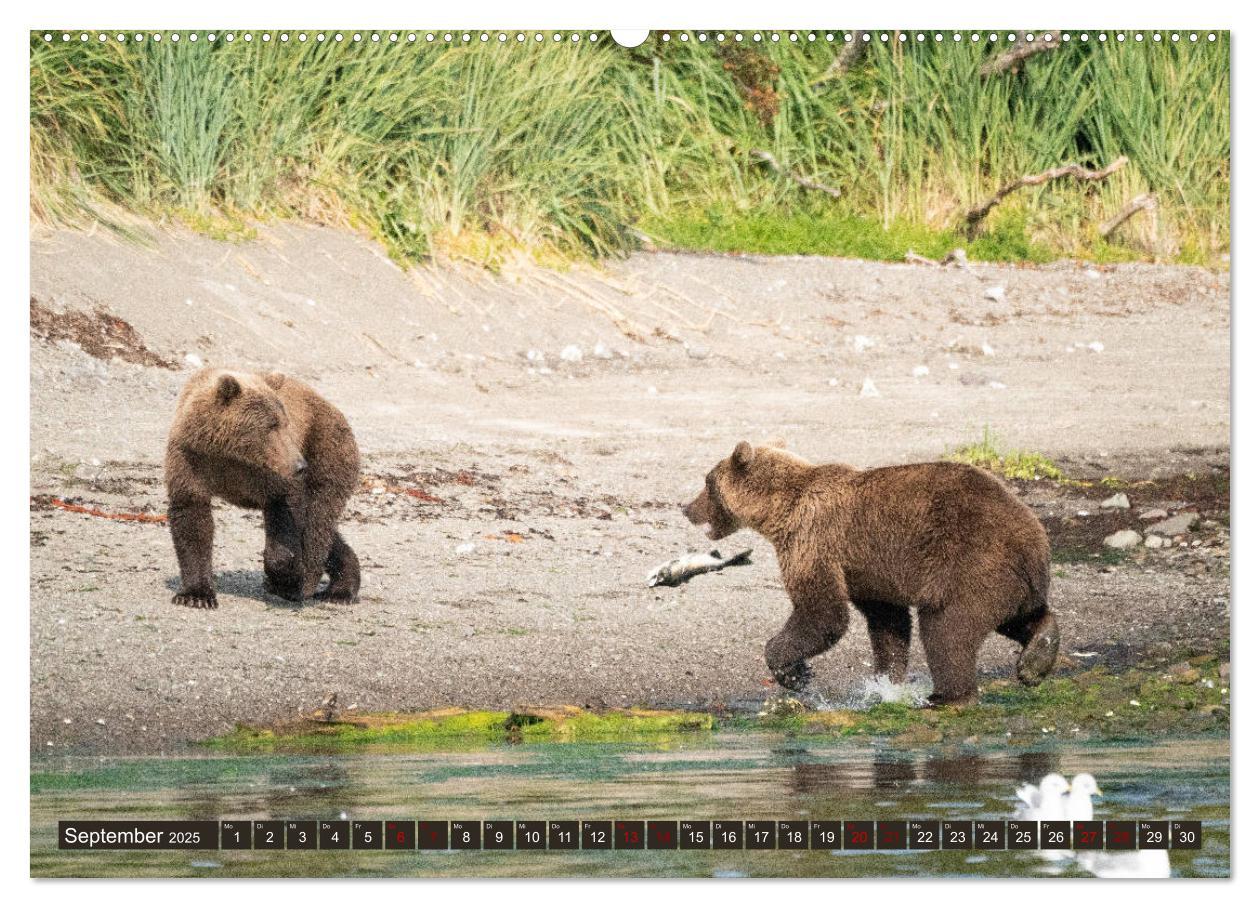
(1023, 49)
(955, 257)
(977, 213)
(1143, 202)
(804, 182)
(848, 57)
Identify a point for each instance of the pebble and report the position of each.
(1153, 514)
(996, 293)
(1175, 526)
(1123, 539)
(919, 371)
(862, 342)
(601, 351)
(868, 388)
(1119, 501)
(697, 351)
(1156, 542)
(192, 359)
(571, 354)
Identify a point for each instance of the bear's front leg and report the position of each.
(282, 553)
(820, 616)
(343, 573)
(192, 529)
(319, 530)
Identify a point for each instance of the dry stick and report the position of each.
(1143, 202)
(977, 213)
(805, 182)
(1021, 52)
(847, 57)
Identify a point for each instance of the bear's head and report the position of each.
(746, 489)
(242, 417)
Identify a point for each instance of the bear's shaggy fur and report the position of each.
(945, 539)
(270, 443)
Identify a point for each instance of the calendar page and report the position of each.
(709, 452)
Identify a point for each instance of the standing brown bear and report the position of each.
(270, 443)
(943, 538)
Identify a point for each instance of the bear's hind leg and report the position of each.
(1038, 634)
(889, 629)
(343, 573)
(192, 530)
(951, 647)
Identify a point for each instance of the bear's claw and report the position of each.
(328, 594)
(196, 599)
(794, 677)
(1039, 656)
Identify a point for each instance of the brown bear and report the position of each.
(270, 443)
(945, 539)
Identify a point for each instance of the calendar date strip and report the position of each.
(629, 835)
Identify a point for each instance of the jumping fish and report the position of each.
(680, 570)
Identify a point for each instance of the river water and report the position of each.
(711, 776)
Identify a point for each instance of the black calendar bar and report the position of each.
(627, 835)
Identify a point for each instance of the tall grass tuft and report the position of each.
(560, 149)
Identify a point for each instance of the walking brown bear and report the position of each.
(270, 443)
(943, 538)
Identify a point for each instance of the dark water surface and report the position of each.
(721, 776)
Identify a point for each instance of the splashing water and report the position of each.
(913, 691)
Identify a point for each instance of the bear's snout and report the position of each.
(696, 510)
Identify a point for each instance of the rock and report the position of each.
(1097, 346)
(1119, 501)
(1153, 514)
(1123, 539)
(868, 388)
(697, 351)
(1175, 526)
(193, 360)
(1223, 671)
(919, 371)
(1156, 542)
(862, 342)
(571, 354)
(996, 293)
(601, 351)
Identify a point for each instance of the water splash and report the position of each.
(913, 691)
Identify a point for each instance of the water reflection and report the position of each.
(721, 776)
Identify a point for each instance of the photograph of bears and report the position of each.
(781, 425)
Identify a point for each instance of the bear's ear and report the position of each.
(777, 442)
(274, 380)
(743, 456)
(228, 389)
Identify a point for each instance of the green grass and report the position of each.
(458, 727)
(485, 152)
(815, 232)
(989, 454)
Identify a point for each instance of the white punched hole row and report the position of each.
(458, 37)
